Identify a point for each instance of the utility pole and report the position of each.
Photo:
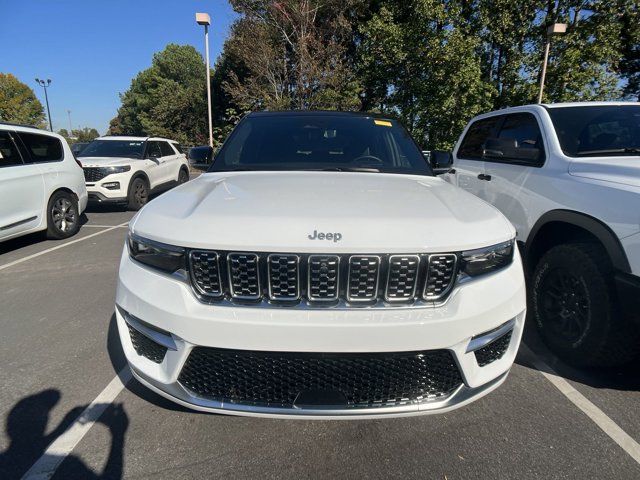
(70, 128)
(204, 19)
(45, 85)
(551, 30)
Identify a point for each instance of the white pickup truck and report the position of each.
(567, 176)
(320, 269)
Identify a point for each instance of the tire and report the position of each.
(138, 194)
(575, 307)
(63, 218)
(183, 176)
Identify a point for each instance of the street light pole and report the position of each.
(45, 85)
(204, 19)
(552, 29)
(70, 127)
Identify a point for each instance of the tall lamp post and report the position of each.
(70, 127)
(204, 19)
(554, 29)
(45, 84)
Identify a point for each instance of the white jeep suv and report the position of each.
(126, 170)
(568, 177)
(41, 184)
(320, 269)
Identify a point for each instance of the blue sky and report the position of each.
(92, 49)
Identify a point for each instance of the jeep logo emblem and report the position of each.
(336, 237)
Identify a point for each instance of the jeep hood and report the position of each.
(624, 170)
(106, 161)
(277, 211)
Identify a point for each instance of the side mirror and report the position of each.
(201, 157)
(508, 148)
(441, 161)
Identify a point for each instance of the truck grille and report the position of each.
(281, 379)
(94, 174)
(284, 278)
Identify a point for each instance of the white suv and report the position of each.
(41, 184)
(126, 170)
(568, 177)
(320, 269)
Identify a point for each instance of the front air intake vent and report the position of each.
(244, 276)
(441, 271)
(284, 277)
(324, 275)
(364, 271)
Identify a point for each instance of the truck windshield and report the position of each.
(113, 148)
(320, 142)
(602, 131)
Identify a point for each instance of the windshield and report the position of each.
(320, 142)
(598, 131)
(113, 148)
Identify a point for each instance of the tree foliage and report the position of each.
(168, 99)
(18, 103)
(85, 134)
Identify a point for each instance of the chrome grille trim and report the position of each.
(370, 293)
(238, 265)
(432, 290)
(273, 295)
(315, 297)
(198, 275)
(411, 270)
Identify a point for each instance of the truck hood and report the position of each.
(279, 211)
(624, 170)
(106, 161)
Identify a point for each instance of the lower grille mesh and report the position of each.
(493, 351)
(275, 379)
(145, 347)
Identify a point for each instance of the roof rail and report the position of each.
(2, 122)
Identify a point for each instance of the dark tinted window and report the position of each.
(523, 129)
(113, 148)
(42, 148)
(320, 142)
(605, 131)
(178, 147)
(472, 144)
(9, 154)
(153, 150)
(166, 149)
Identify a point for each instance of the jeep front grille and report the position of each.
(352, 380)
(323, 280)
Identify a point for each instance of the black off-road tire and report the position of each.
(575, 307)
(138, 194)
(63, 218)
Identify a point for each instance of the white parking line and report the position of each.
(608, 426)
(105, 226)
(61, 447)
(57, 247)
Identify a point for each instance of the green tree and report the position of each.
(168, 99)
(85, 134)
(18, 103)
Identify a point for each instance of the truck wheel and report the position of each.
(575, 307)
(138, 194)
(63, 220)
(183, 176)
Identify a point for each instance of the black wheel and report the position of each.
(63, 219)
(183, 176)
(138, 193)
(575, 307)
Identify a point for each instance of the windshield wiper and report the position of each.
(605, 151)
(343, 169)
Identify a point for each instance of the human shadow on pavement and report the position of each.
(26, 427)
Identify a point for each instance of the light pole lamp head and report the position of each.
(203, 19)
(556, 28)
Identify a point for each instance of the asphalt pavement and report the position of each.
(59, 352)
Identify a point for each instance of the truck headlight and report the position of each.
(122, 169)
(160, 256)
(487, 260)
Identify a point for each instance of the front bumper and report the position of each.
(99, 193)
(474, 309)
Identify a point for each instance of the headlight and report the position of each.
(488, 259)
(112, 170)
(156, 255)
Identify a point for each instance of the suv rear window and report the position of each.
(42, 148)
(479, 131)
(166, 149)
(597, 131)
(9, 155)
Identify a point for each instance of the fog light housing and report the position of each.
(111, 185)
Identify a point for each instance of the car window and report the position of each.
(42, 148)
(477, 134)
(524, 130)
(178, 147)
(153, 150)
(9, 154)
(321, 142)
(166, 149)
(113, 148)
